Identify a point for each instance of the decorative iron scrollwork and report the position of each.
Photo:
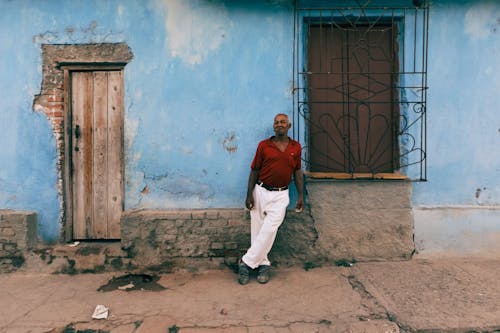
(360, 86)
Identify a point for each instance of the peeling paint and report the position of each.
(482, 20)
(175, 191)
(131, 126)
(208, 148)
(120, 10)
(486, 196)
(88, 33)
(156, 178)
(187, 150)
(230, 143)
(194, 28)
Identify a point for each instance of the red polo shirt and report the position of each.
(276, 167)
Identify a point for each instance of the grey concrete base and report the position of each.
(363, 220)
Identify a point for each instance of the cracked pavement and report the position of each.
(406, 296)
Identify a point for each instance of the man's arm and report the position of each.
(252, 180)
(299, 184)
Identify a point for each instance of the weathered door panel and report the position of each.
(82, 87)
(97, 186)
(115, 152)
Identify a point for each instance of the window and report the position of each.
(360, 90)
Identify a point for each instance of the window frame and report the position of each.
(411, 24)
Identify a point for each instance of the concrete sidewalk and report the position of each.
(408, 296)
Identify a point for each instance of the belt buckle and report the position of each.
(270, 188)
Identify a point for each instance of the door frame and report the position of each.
(67, 69)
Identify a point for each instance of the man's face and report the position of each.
(281, 124)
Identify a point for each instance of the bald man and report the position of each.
(276, 160)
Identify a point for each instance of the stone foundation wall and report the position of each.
(210, 238)
(18, 234)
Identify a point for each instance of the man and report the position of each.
(274, 163)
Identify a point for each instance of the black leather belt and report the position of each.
(270, 188)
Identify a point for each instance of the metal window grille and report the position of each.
(336, 104)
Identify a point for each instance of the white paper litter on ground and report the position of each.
(100, 312)
(127, 286)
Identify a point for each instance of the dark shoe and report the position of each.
(243, 273)
(264, 274)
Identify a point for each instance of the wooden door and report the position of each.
(97, 153)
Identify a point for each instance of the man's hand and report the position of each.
(299, 183)
(249, 202)
(299, 206)
(252, 180)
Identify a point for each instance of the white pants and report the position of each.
(266, 216)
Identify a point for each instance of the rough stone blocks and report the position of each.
(18, 228)
(218, 236)
(18, 233)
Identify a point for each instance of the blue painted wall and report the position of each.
(203, 88)
(457, 212)
(206, 80)
(463, 105)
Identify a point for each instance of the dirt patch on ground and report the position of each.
(132, 282)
